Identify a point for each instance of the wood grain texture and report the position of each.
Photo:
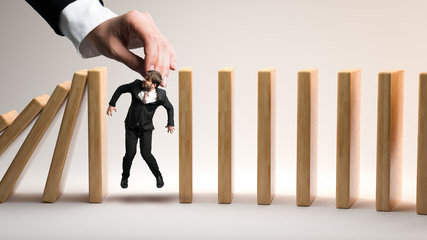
(52, 188)
(348, 138)
(7, 119)
(186, 135)
(98, 157)
(389, 139)
(22, 121)
(225, 135)
(307, 136)
(266, 135)
(422, 146)
(22, 157)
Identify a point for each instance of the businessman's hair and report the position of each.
(155, 77)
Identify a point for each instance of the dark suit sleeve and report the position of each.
(50, 10)
(119, 91)
(169, 108)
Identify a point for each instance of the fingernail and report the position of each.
(174, 65)
(164, 82)
(152, 67)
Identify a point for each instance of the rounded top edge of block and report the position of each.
(267, 69)
(81, 72)
(11, 113)
(308, 70)
(226, 69)
(65, 85)
(350, 70)
(391, 71)
(42, 99)
(186, 69)
(98, 69)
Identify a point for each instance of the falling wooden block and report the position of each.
(7, 119)
(225, 135)
(53, 187)
(348, 138)
(422, 146)
(389, 139)
(185, 135)
(21, 159)
(266, 135)
(307, 136)
(22, 121)
(97, 126)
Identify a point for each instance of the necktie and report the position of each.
(144, 99)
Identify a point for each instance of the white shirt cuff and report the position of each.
(78, 19)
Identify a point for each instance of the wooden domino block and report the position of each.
(97, 126)
(266, 135)
(7, 119)
(348, 138)
(53, 187)
(422, 146)
(22, 121)
(307, 136)
(389, 139)
(21, 159)
(225, 135)
(186, 135)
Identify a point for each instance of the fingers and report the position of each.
(159, 53)
(122, 54)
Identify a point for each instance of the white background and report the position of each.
(208, 35)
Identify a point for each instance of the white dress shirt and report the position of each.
(152, 96)
(78, 19)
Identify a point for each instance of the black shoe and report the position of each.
(124, 183)
(160, 182)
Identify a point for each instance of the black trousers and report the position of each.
(132, 136)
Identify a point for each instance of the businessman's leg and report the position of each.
(145, 144)
(131, 140)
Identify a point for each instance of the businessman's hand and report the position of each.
(114, 37)
(170, 129)
(110, 110)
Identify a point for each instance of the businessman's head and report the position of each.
(152, 80)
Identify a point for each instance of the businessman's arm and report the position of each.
(169, 109)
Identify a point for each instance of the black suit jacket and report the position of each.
(140, 114)
(50, 10)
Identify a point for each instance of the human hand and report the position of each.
(114, 37)
(110, 110)
(170, 129)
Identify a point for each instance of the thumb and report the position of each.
(120, 53)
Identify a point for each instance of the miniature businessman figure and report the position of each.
(146, 97)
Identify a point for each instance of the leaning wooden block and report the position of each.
(7, 119)
(21, 122)
(266, 135)
(422, 146)
(389, 139)
(307, 136)
(225, 135)
(98, 161)
(348, 138)
(53, 188)
(186, 135)
(21, 159)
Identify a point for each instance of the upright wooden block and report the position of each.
(21, 122)
(7, 119)
(348, 138)
(21, 159)
(98, 152)
(307, 136)
(225, 135)
(266, 135)
(389, 139)
(422, 146)
(52, 188)
(186, 135)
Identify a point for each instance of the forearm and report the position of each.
(119, 91)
